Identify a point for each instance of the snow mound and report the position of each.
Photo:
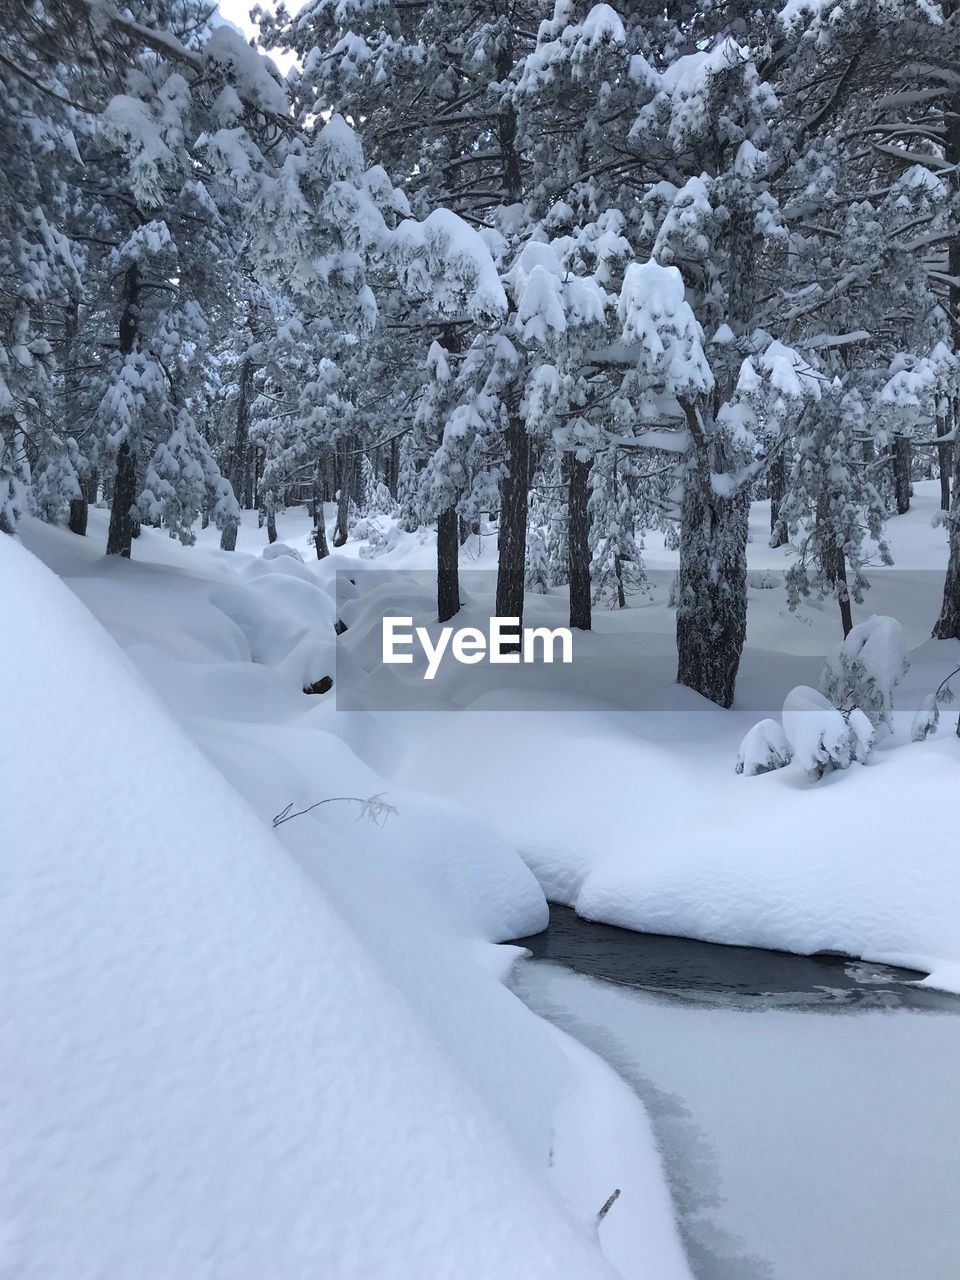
(208, 1073)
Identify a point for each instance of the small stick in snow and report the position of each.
(611, 1201)
(374, 809)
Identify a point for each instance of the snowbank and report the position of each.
(221, 1064)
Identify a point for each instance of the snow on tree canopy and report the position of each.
(657, 319)
(453, 261)
(820, 736)
(249, 70)
(338, 153)
(548, 297)
(763, 749)
(865, 668)
(577, 44)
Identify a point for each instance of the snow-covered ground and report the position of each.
(628, 807)
(239, 1050)
(236, 1051)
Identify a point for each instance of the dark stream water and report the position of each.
(706, 971)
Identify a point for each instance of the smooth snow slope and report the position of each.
(204, 1074)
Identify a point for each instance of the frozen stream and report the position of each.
(808, 1110)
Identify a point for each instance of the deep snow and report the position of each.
(629, 809)
(237, 1052)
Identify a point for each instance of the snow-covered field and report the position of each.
(635, 816)
(239, 1050)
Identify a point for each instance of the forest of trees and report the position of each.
(582, 270)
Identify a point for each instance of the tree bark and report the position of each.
(578, 542)
(319, 522)
(123, 527)
(945, 459)
(448, 564)
(239, 455)
(77, 520)
(948, 624)
(902, 451)
(833, 563)
(271, 519)
(778, 485)
(512, 542)
(347, 467)
(712, 606)
(120, 533)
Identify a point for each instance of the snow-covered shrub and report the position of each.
(277, 549)
(764, 579)
(763, 749)
(927, 719)
(862, 734)
(537, 575)
(865, 668)
(818, 733)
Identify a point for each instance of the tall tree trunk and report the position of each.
(319, 521)
(945, 459)
(77, 519)
(239, 456)
(833, 562)
(271, 512)
(123, 526)
(948, 624)
(902, 452)
(578, 541)
(778, 485)
(347, 467)
(512, 542)
(120, 533)
(712, 605)
(448, 564)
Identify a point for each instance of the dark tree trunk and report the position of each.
(393, 467)
(319, 522)
(833, 563)
(712, 604)
(77, 521)
(77, 518)
(945, 459)
(347, 467)
(448, 564)
(778, 486)
(512, 543)
(948, 624)
(120, 534)
(320, 537)
(902, 452)
(123, 527)
(239, 456)
(271, 520)
(251, 477)
(578, 541)
(228, 536)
